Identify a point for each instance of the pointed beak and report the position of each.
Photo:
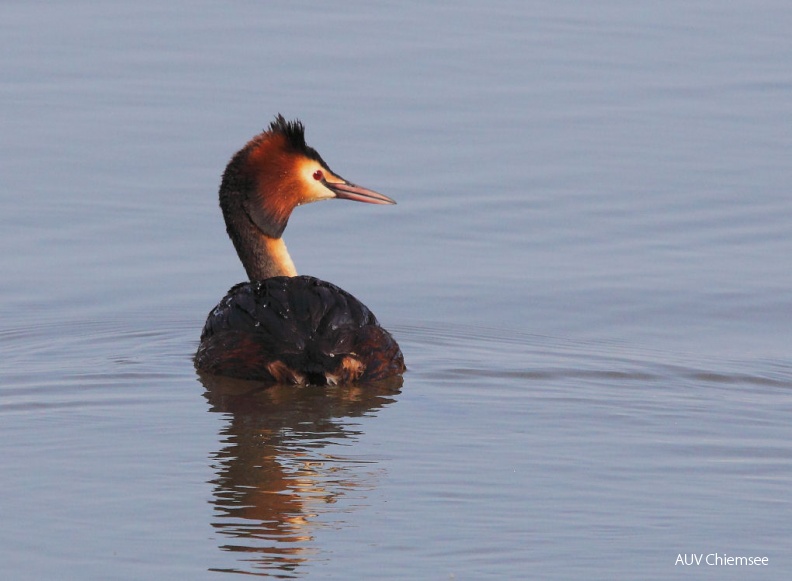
(348, 191)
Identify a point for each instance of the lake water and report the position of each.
(588, 272)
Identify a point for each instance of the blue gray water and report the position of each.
(588, 272)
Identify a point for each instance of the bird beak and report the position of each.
(348, 191)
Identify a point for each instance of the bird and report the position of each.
(280, 327)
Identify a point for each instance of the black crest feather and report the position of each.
(294, 132)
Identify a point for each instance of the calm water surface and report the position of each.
(588, 272)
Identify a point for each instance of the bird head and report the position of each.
(276, 172)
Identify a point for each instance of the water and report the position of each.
(587, 271)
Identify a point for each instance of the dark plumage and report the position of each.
(296, 330)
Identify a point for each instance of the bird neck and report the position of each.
(272, 260)
(262, 256)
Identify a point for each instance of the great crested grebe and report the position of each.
(281, 327)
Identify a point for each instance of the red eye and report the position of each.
(318, 175)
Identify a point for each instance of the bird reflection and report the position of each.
(273, 478)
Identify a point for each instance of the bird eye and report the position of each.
(318, 175)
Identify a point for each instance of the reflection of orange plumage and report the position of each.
(281, 327)
(278, 472)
